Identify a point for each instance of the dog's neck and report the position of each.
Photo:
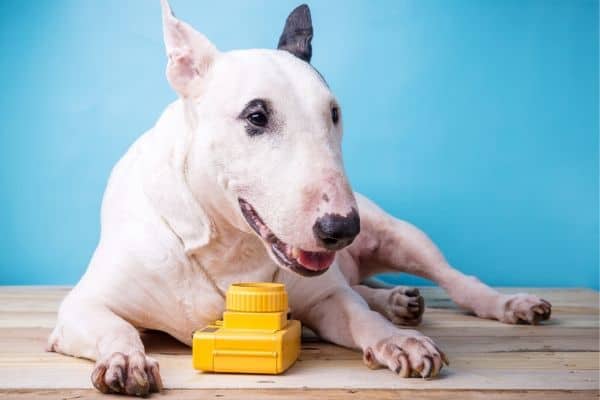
(198, 216)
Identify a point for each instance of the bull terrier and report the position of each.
(242, 179)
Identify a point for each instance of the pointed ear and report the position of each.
(297, 33)
(190, 54)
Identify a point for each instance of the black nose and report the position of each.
(334, 231)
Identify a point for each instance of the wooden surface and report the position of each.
(490, 360)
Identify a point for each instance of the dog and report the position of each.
(242, 179)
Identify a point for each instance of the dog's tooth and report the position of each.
(295, 252)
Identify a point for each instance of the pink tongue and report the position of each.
(316, 261)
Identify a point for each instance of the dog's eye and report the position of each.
(335, 115)
(258, 119)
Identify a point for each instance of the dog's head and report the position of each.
(267, 130)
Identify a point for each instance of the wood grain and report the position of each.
(558, 360)
(311, 394)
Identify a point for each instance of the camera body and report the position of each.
(255, 335)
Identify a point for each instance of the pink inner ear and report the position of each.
(181, 71)
(182, 62)
(190, 54)
(184, 70)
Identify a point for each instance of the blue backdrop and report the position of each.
(475, 120)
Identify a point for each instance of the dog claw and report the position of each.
(444, 358)
(525, 308)
(405, 306)
(138, 384)
(427, 364)
(156, 384)
(98, 379)
(407, 356)
(133, 374)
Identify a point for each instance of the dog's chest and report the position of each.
(200, 294)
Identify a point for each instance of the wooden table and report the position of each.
(488, 360)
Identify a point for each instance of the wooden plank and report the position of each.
(488, 359)
(32, 341)
(560, 371)
(308, 394)
(433, 319)
(558, 296)
(509, 360)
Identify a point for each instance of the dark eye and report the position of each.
(258, 119)
(335, 115)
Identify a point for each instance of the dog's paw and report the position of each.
(134, 374)
(524, 308)
(405, 306)
(409, 356)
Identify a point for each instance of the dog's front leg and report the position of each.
(90, 330)
(341, 316)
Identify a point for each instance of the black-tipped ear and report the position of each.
(297, 33)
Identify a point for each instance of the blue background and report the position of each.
(475, 120)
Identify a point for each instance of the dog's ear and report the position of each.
(190, 54)
(297, 33)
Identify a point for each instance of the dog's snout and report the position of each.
(334, 231)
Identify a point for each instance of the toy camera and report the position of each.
(255, 335)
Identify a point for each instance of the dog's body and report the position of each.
(227, 188)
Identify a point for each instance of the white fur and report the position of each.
(172, 226)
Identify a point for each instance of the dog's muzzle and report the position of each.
(306, 263)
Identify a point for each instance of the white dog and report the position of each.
(242, 179)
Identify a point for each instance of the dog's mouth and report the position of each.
(306, 263)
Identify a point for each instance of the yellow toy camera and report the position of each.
(255, 335)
